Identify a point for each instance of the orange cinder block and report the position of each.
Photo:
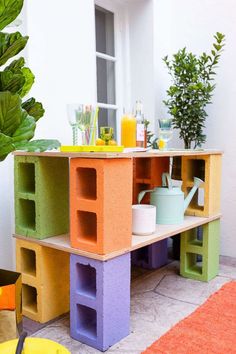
(100, 204)
(147, 174)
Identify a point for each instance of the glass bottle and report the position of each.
(140, 128)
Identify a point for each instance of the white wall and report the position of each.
(141, 50)
(192, 24)
(62, 56)
(6, 214)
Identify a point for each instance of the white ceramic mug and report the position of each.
(143, 219)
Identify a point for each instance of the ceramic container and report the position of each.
(143, 219)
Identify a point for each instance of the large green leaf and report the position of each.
(29, 80)
(11, 113)
(9, 10)
(6, 146)
(38, 145)
(13, 82)
(35, 109)
(16, 64)
(26, 129)
(10, 45)
(16, 78)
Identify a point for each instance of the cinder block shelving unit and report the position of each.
(73, 230)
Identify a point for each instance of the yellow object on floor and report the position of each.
(34, 346)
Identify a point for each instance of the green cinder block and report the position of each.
(41, 196)
(207, 248)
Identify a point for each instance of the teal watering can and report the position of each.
(169, 200)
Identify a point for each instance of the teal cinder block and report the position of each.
(41, 196)
(207, 248)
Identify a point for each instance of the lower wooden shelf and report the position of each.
(62, 242)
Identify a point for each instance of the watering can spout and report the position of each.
(142, 194)
(197, 183)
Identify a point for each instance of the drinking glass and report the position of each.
(74, 111)
(165, 133)
(106, 134)
(83, 117)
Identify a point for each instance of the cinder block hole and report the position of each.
(86, 321)
(195, 236)
(139, 188)
(143, 167)
(86, 280)
(27, 216)
(194, 263)
(176, 168)
(197, 201)
(195, 168)
(26, 177)
(86, 183)
(141, 255)
(29, 298)
(28, 261)
(87, 226)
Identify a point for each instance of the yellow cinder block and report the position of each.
(208, 168)
(45, 280)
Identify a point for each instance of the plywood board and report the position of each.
(62, 242)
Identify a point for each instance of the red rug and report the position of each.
(211, 329)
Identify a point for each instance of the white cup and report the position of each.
(143, 219)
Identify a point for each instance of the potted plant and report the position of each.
(18, 116)
(192, 90)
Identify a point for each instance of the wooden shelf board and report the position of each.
(111, 155)
(143, 180)
(165, 231)
(62, 242)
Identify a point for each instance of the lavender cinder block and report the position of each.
(151, 257)
(100, 300)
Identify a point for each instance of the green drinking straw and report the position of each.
(94, 127)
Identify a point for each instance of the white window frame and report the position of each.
(117, 9)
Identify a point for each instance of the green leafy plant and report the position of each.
(191, 90)
(18, 117)
(151, 138)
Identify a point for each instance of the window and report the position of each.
(106, 61)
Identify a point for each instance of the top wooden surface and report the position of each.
(112, 155)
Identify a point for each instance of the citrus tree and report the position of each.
(192, 90)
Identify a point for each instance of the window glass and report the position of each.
(106, 81)
(104, 31)
(107, 118)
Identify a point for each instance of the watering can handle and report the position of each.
(166, 176)
(20, 343)
(142, 194)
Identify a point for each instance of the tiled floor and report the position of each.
(159, 300)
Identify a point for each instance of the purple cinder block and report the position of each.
(99, 300)
(151, 257)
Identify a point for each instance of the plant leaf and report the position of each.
(29, 80)
(10, 81)
(26, 129)
(11, 113)
(11, 44)
(15, 65)
(34, 109)
(38, 145)
(6, 146)
(9, 10)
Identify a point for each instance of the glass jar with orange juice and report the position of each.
(128, 130)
